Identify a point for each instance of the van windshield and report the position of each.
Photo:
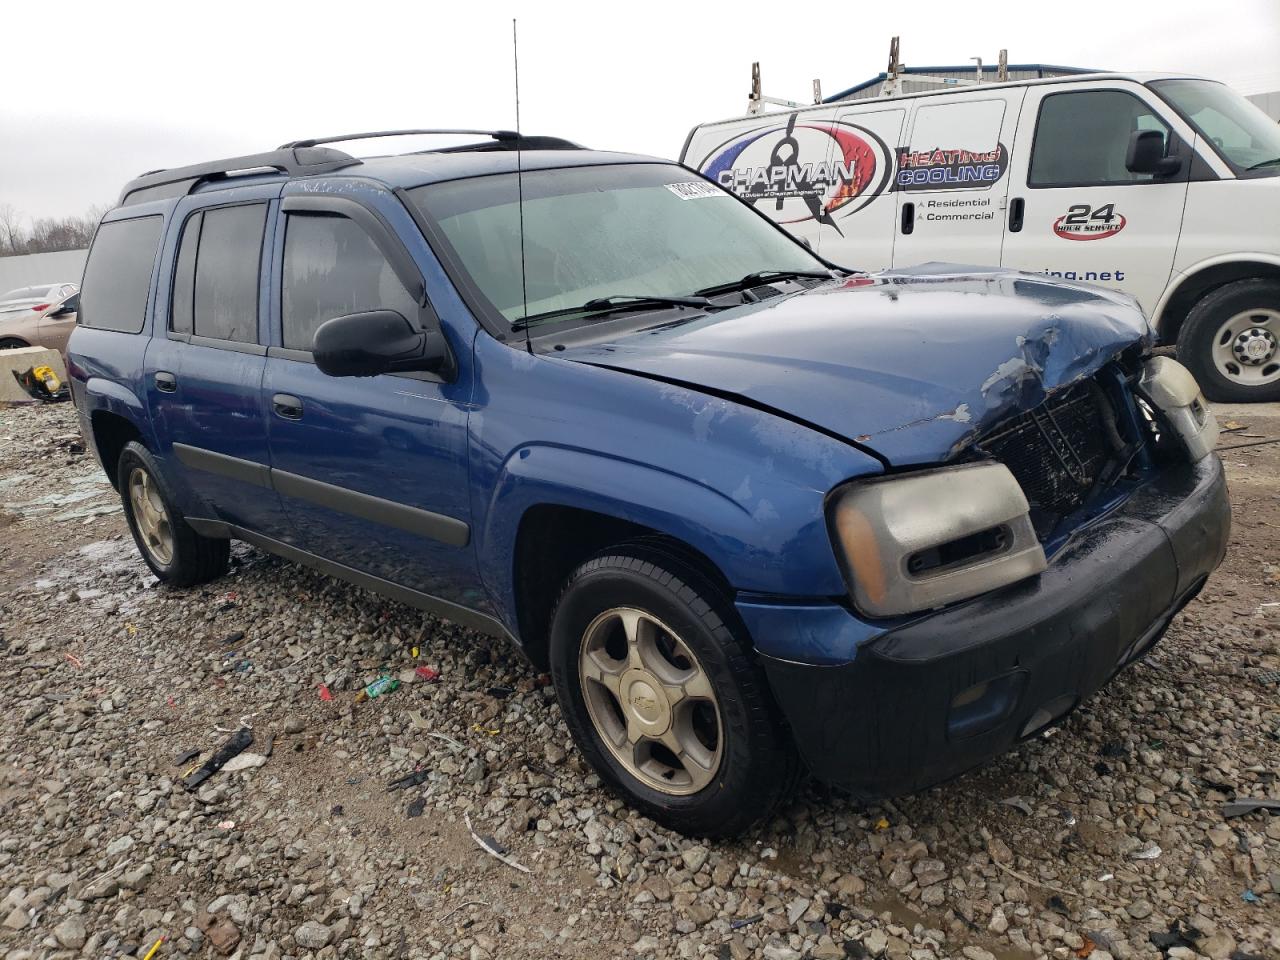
(621, 230)
(1243, 134)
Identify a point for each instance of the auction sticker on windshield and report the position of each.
(694, 190)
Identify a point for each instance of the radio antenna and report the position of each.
(524, 286)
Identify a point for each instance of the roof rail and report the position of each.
(294, 160)
(377, 134)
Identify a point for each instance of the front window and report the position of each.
(1245, 136)
(592, 232)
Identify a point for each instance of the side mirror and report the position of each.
(1146, 154)
(379, 341)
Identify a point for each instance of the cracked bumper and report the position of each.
(927, 700)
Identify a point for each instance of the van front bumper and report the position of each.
(924, 701)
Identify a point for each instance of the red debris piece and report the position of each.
(426, 673)
(324, 692)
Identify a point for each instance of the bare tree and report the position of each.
(47, 234)
(10, 228)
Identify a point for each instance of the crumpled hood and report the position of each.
(912, 365)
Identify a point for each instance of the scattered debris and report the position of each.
(1018, 803)
(461, 906)
(454, 744)
(384, 684)
(1250, 897)
(220, 931)
(426, 673)
(185, 757)
(154, 947)
(240, 741)
(411, 780)
(746, 921)
(1243, 805)
(244, 761)
(416, 808)
(324, 692)
(490, 847)
(1149, 852)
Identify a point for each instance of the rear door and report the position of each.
(1076, 211)
(205, 370)
(952, 178)
(372, 470)
(821, 175)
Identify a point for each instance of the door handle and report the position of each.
(1016, 209)
(908, 218)
(286, 406)
(166, 382)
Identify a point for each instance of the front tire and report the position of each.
(654, 677)
(172, 549)
(1231, 342)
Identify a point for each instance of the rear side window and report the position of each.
(184, 278)
(228, 257)
(117, 276)
(1082, 138)
(332, 268)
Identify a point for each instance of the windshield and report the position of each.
(1243, 134)
(651, 230)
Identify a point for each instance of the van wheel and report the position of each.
(656, 685)
(174, 552)
(1231, 342)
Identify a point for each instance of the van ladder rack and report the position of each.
(179, 181)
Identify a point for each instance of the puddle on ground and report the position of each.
(88, 495)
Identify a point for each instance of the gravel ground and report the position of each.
(1104, 840)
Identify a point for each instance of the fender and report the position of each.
(1178, 280)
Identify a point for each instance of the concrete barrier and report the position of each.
(20, 361)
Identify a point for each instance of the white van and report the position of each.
(1165, 187)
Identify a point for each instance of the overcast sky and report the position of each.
(98, 93)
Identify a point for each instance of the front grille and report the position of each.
(1058, 451)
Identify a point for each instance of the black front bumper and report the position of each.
(911, 710)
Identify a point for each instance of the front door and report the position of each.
(1076, 211)
(952, 178)
(372, 470)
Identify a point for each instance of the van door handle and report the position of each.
(166, 382)
(290, 408)
(1016, 209)
(908, 218)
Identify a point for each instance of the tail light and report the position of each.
(41, 306)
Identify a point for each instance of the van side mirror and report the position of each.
(1146, 154)
(379, 341)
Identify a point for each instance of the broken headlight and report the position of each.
(923, 540)
(1173, 391)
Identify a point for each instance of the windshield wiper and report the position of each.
(762, 276)
(1264, 163)
(612, 304)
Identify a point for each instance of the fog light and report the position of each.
(984, 705)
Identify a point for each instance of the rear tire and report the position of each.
(12, 343)
(172, 549)
(698, 692)
(1230, 341)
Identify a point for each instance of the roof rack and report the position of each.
(294, 160)
(502, 140)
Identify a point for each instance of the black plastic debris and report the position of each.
(745, 921)
(1115, 749)
(1176, 936)
(182, 759)
(235, 636)
(500, 693)
(416, 807)
(1243, 805)
(240, 741)
(412, 780)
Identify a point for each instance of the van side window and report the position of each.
(1082, 138)
(184, 277)
(117, 277)
(332, 268)
(227, 264)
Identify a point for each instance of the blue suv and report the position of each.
(756, 513)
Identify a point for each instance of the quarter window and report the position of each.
(224, 292)
(117, 277)
(332, 268)
(184, 278)
(1082, 138)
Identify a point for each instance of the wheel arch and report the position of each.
(1202, 279)
(111, 432)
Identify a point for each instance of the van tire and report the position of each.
(757, 762)
(191, 558)
(1204, 325)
